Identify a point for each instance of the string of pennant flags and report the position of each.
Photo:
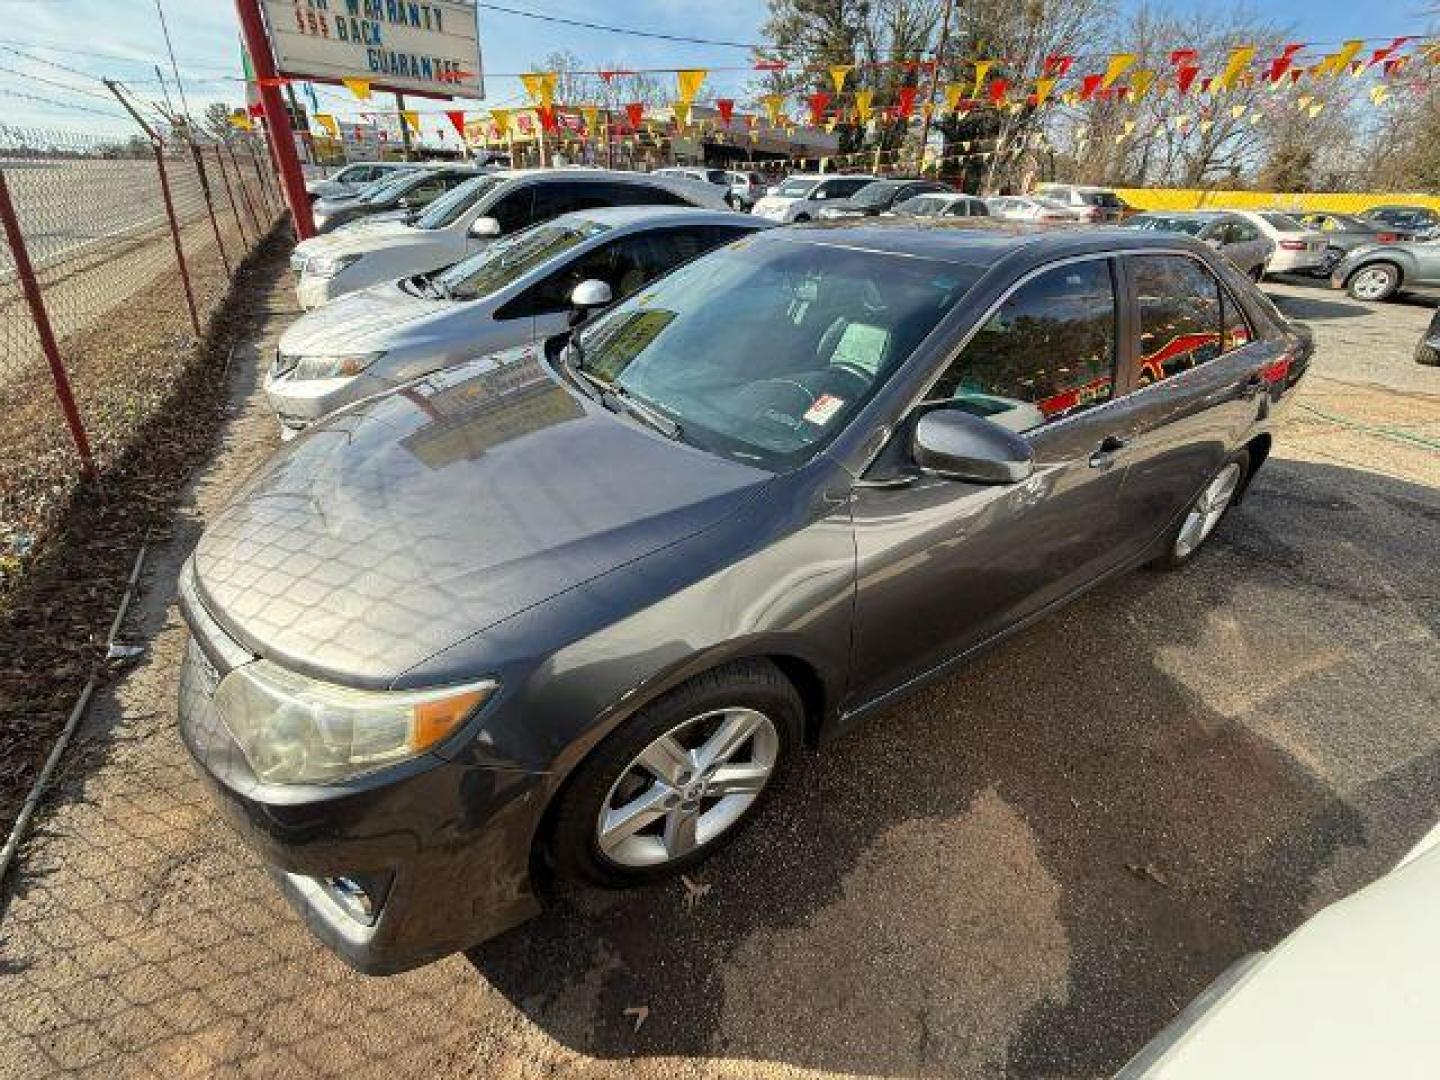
(1061, 80)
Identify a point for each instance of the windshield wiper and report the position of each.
(614, 396)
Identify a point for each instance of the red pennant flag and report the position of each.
(606, 76)
(1089, 85)
(997, 90)
(257, 109)
(726, 108)
(1185, 76)
(1184, 57)
(1281, 63)
(457, 117)
(1058, 65)
(547, 117)
(769, 65)
(817, 103)
(1205, 85)
(1380, 55)
(1295, 74)
(1392, 64)
(906, 103)
(635, 113)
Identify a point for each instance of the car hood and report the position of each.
(371, 222)
(409, 522)
(364, 241)
(336, 241)
(363, 321)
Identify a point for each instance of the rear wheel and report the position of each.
(1427, 354)
(675, 781)
(1205, 512)
(1378, 281)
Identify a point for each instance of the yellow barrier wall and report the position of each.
(1351, 202)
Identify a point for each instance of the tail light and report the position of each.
(1293, 245)
(1387, 237)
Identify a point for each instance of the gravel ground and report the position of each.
(1026, 870)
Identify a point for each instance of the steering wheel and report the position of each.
(850, 370)
(769, 397)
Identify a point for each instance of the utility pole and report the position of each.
(404, 127)
(277, 123)
(934, 83)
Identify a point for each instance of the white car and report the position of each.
(939, 204)
(350, 179)
(700, 174)
(1032, 208)
(802, 195)
(469, 217)
(1352, 993)
(1297, 249)
(748, 188)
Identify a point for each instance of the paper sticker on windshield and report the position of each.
(824, 409)
(862, 346)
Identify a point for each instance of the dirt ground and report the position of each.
(1026, 870)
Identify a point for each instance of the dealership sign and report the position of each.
(422, 46)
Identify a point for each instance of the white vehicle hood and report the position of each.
(369, 320)
(385, 235)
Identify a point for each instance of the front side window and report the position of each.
(842, 188)
(764, 350)
(1047, 352)
(508, 260)
(1181, 321)
(448, 209)
(795, 188)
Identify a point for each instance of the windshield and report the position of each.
(882, 191)
(448, 208)
(1283, 222)
(1188, 225)
(796, 188)
(1101, 198)
(506, 261)
(765, 349)
(390, 187)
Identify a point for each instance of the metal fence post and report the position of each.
(175, 235)
(210, 206)
(31, 286)
(230, 194)
(245, 194)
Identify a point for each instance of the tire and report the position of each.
(1257, 273)
(1425, 354)
(1182, 545)
(1374, 282)
(691, 717)
(800, 219)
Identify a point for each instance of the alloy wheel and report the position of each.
(1372, 283)
(688, 787)
(1206, 511)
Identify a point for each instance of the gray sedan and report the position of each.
(1238, 240)
(1379, 271)
(517, 290)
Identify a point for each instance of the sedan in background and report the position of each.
(350, 179)
(519, 289)
(1032, 208)
(1089, 202)
(1379, 271)
(579, 605)
(1297, 249)
(1345, 232)
(1420, 221)
(942, 206)
(746, 189)
(1230, 234)
(472, 216)
(801, 197)
(404, 195)
(875, 199)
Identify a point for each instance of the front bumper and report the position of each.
(298, 403)
(441, 844)
(313, 291)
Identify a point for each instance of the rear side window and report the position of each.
(841, 188)
(514, 209)
(1047, 352)
(1182, 320)
(640, 195)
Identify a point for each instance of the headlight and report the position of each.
(329, 265)
(835, 212)
(335, 366)
(295, 730)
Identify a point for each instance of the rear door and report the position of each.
(1197, 384)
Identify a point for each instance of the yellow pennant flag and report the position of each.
(241, 119)
(592, 117)
(327, 121)
(688, 84)
(838, 73)
(1070, 97)
(412, 119)
(1240, 59)
(1254, 118)
(1119, 64)
(1335, 63)
(1044, 87)
(774, 103)
(681, 109)
(359, 87)
(1316, 109)
(1237, 111)
(1206, 125)
(501, 119)
(540, 85)
(1140, 83)
(953, 93)
(1378, 94)
(1180, 121)
(982, 68)
(830, 124)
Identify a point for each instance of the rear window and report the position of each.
(1100, 198)
(1283, 222)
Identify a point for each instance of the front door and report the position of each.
(945, 565)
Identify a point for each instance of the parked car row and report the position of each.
(604, 508)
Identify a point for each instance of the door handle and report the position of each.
(1106, 451)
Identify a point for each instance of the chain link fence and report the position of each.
(120, 252)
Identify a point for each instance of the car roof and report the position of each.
(977, 242)
(618, 217)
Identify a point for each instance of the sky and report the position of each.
(57, 49)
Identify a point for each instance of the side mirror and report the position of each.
(485, 228)
(962, 446)
(585, 297)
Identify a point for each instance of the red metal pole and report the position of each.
(277, 124)
(175, 235)
(230, 194)
(31, 286)
(210, 206)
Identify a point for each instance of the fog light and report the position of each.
(353, 898)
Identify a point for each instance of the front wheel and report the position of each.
(1205, 513)
(1378, 281)
(676, 780)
